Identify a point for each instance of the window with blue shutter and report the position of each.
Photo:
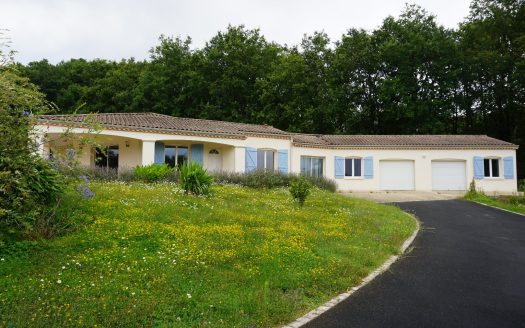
(478, 167)
(369, 167)
(339, 167)
(282, 161)
(508, 167)
(159, 152)
(197, 153)
(251, 159)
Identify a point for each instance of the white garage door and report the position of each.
(396, 175)
(449, 175)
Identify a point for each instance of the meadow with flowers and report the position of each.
(149, 255)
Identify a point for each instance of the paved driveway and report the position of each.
(467, 269)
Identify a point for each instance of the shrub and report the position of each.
(521, 185)
(270, 179)
(194, 179)
(28, 185)
(266, 179)
(323, 183)
(152, 173)
(300, 189)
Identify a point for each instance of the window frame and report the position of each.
(491, 170)
(265, 159)
(177, 164)
(311, 166)
(353, 176)
(105, 149)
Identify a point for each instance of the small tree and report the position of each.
(300, 189)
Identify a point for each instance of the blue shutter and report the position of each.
(251, 159)
(197, 153)
(508, 167)
(282, 161)
(339, 167)
(369, 167)
(478, 168)
(159, 152)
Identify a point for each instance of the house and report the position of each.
(355, 162)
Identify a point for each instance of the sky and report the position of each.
(115, 29)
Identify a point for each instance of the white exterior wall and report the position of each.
(422, 161)
(233, 151)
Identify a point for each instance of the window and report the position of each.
(311, 166)
(353, 167)
(107, 157)
(175, 155)
(491, 167)
(265, 159)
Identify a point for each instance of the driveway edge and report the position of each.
(341, 297)
(498, 208)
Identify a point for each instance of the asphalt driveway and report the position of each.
(467, 269)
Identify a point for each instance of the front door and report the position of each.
(214, 161)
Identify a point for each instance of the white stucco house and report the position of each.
(355, 162)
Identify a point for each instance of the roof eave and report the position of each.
(506, 147)
(163, 131)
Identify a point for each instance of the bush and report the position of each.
(194, 179)
(270, 179)
(300, 189)
(152, 173)
(28, 185)
(323, 183)
(521, 185)
(266, 179)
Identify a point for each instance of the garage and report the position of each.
(449, 175)
(396, 175)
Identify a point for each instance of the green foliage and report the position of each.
(152, 173)
(194, 179)
(300, 189)
(514, 203)
(410, 75)
(265, 179)
(156, 258)
(521, 185)
(28, 185)
(323, 183)
(270, 179)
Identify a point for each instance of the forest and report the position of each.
(410, 75)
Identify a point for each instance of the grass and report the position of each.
(154, 257)
(511, 203)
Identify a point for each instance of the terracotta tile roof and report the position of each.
(399, 141)
(153, 122)
(156, 122)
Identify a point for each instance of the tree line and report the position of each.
(410, 75)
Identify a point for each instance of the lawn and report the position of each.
(511, 203)
(154, 257)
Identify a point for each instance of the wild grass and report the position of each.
(515, 203)
(155, 257)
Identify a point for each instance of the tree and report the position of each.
(231, 65)
(27, 183)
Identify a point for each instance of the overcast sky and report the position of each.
(115, 29)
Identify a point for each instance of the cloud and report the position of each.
(115, 29)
